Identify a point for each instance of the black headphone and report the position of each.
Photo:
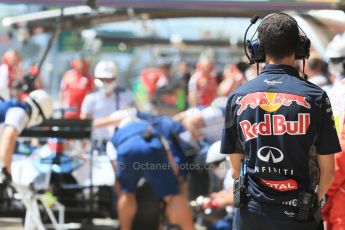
(256, 50)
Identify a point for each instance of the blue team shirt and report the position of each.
(280, 121)
(6, 105)
(183, 153)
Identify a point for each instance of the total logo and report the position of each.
(276, 125)
(268, 152)
(281, 186)
(269, 102)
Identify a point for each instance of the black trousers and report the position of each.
(265, 217)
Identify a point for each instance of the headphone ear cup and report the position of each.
(303, 48)
(256, 51)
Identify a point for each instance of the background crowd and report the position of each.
(191, 94)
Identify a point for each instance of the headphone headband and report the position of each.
(256, 50)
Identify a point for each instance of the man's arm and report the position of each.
(327, 172)
(106, 121)
(15, 121)
(235, 162)
(115, 118)
(7, 145)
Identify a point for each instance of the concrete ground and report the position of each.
(98, 224)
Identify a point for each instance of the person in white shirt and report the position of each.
(106, 100)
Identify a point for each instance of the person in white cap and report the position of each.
(16, 115)
(107, 99)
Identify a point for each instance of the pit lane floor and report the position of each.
(98, 224)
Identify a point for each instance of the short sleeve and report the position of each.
(86, 107)
(230, 142)
(327, 141)
(17, 118)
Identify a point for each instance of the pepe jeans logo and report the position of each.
(268, 152)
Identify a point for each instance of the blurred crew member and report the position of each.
(75, 85)
(204, 125)
(315, 73)
(222, 199)
(107, 99)
(233, 76)
(10, 71)
(334, 210)
(202, 86)
(16, 115)
(282, 127)
(141, 152)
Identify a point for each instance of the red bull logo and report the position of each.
(276, 125)
(269, 102)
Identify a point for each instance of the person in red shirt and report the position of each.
(75, 85)
(334, 209)
(10, 71)
(202, 86)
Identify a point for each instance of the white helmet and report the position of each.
(106, 69)
(41, 106)
(336, 48)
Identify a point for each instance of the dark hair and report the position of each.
(278, 35)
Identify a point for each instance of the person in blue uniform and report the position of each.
(282, 127)
(16, 115)
(142, 151)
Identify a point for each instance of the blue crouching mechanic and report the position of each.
(142, 152)
(281, 127)
(16, 115)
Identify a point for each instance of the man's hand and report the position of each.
(235, 162)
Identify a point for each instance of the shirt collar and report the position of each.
(278, 68)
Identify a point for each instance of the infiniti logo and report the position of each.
(267, 152)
